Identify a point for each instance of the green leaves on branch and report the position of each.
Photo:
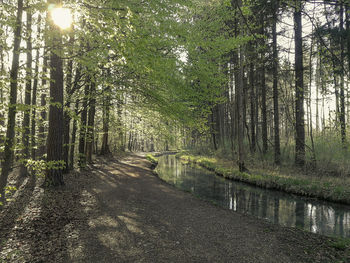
(40, 166)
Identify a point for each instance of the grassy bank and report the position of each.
(152, 159)
(322, 187)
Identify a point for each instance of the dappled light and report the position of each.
(174, 131)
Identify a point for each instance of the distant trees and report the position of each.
(172, 74)
(281, 94)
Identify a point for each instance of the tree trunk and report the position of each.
(318, 80)
(54, 175)
(239, 91)
(120, 134)
(34, 97)
(27, 98)
(263, 92)
(82, 135)
(342, 62)
(66, 115)
(43, 114)
(252, 103)
(91, 122)
(310, 108)
(299, 88)
(106, 112)
(11, 120)
(277, 148)
(347, 24)
(74, 133)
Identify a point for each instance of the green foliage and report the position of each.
(40, 166)
(152, 159)
(37, 166)
(340, 243)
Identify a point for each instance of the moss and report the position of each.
(318, 188)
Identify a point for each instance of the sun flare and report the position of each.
(62, 17)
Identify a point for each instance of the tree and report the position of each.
(299, 88)
(54, 176)
(277, 149)
(11, 118)
(27, 97)
(342, 73)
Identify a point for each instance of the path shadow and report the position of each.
(12, 211)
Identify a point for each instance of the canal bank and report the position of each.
(329, 189)
(278, 207)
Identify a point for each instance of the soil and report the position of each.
(119, 211)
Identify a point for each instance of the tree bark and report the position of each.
(66, 114)
(43, 113)
(252, 106)
(34, 97)
(263, 92)
(11, 120)
(91, 122)
(277, 148)
(27, 98)
(299, 88)
(82, 135)
(74, 133)
(120, 131)
(239, 91)
(54, 174)
(106, 113)
(342, 62)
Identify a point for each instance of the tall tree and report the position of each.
(43, 113)
(11, 118)
(277, 149)
(106, 119)
(263, 86)
(27, 96)
(54, 175)
(342, 60)
(91, 121)
(74, 133)
(70, 88)
(252, 100)
(299, 87)
(83, 120)
(34, 97)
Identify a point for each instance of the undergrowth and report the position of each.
(152, 159)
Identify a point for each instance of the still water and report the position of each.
(280, 208)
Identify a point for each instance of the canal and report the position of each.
(277, 207)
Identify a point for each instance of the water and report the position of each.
(280, 208)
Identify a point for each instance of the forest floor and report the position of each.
(118, 211)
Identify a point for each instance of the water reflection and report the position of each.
(278, 207)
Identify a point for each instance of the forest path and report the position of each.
(118, 211)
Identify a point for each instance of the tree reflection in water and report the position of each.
(278, 207)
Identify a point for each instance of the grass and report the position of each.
(340, 243)
(326, 188)
(152, 159)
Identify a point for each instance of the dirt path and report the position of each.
(120, 212)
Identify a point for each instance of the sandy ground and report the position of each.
(118, 211)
